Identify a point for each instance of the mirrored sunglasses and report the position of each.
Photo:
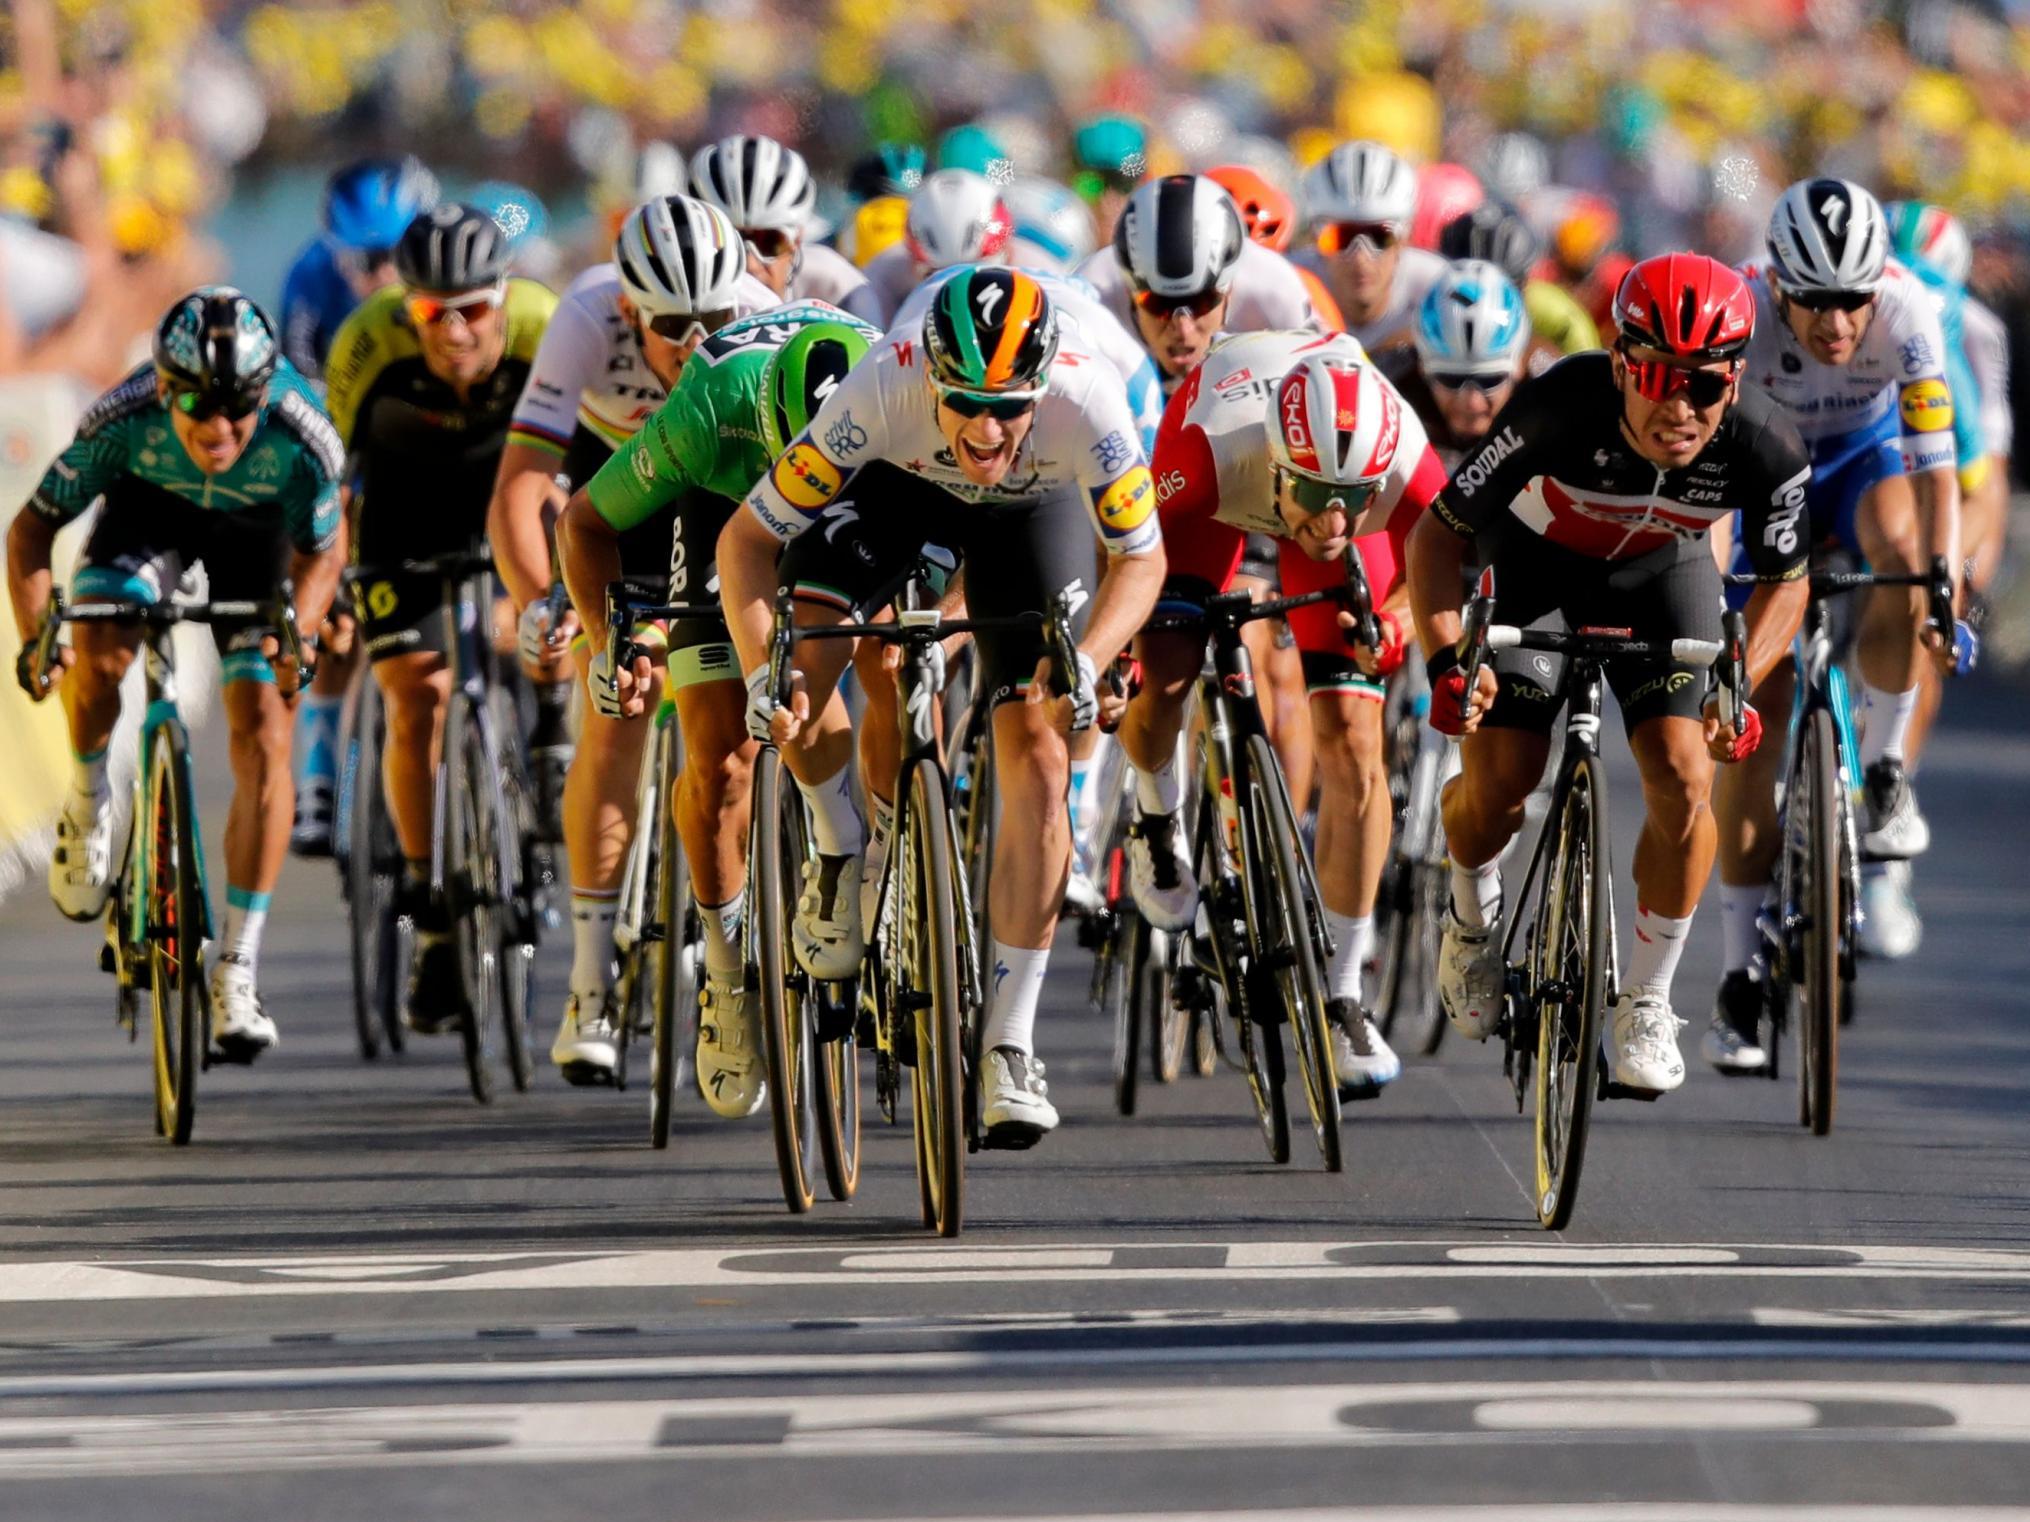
(1344, 237)
(1313, 496)
(468, 306)
(1002, 408)
(1163, 308)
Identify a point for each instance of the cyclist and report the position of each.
(249, 487)
(1497, 232)
(621, 335)
(1297, 436)
(984, 432)
(955, 217)
(1110, 157)
(1467, 350)
(1358, 201)
(424, 378)
(1445, 192)
(1590, 498)
(1848, 342)
(1270, 218)
(1053, 227)
(366, 207)
(878, 186)
(746, 390)
(768, 191)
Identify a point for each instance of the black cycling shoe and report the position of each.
(435, 1000)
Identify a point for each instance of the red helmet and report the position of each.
(1444, 191)
(1688, 306)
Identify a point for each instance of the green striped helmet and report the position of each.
(990, 331)
(801, 375)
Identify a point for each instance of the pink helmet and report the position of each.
(1444, 191)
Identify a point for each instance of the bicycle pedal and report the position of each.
(1011, 1137)
(239, 1054)
(1613, 1090)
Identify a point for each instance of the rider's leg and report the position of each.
(258, 724)
(416, 688)
(1744, 813)
(1483, 809)
(1353, 826)
(712, 808)
(1032, 855)
(1674, 852)
(91, 698)
(599, 825)
(1889, 647)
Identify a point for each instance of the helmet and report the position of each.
(1515, 164)
(658, 170)
(802, 374)
(1361, 182)
(892, 169)
(1494, 231)
(1471, 322)
(1178, 236)
(519, 210)
(1444, 191)
(1333, 419)
(217, 343)
(452, 247)
(368, 204)
(957, 217)
(1269, 216)
(1930, 240)
(755, 181)
(1586, 228)
(1828, 235)
(1113, 147)
(876, 225)
(1687, 305)
(677, 255)
(990, 331)
(1053, 227)
(970, 146)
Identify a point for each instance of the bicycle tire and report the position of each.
(174, 926)
(513, 806)
(1168, 1021)
(1569, 950)
(978, 818)
(1118, 1005)
(774, 880)
(1260, 1043)
(938, 1075)
(1818, 900)
(475, 922)
(675, 999)
(837, 1090)
(639, 967)
(372, 875)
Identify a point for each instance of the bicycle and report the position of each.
(1552, 1018)
(1410, 906)
(159, 916)
(1811, 939)
(369, 860)
(479, 866)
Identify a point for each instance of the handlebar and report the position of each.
(625, 608)
(1234, 609)
(922, 627)
(1935, 579)
(279, 611)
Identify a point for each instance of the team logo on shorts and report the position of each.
(806, 478)
(1927, 407)
(1125, 506)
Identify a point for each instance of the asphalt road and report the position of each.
(359, 1295)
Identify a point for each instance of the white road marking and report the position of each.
(1891, 1316)
(939, 1423)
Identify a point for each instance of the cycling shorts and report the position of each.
(148, 539)
(1672, 592)
(1843, 470)
(1259, 558)
(859, 554)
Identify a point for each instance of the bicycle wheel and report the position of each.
(174, 927)
(1115, 976)
(977, 809)
(837, 1090)
(470, 881)
(1286, 925)
(675, 999)
(1568, 980)
(1816, 839)
(774, 880)
(1166, 1022)
(515, 814)
(1260, 1042)
(372, 865)
(931, 949)
(640, 960)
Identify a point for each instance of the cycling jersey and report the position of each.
(892, 274)
(291, 466)
(1558, 319)
(1267, 292)
(825, 274)
(1095, 328)
(1987, 348)
(1417, 270)
(1556, 461)
(589, 371)
(316, 300)
(1398, 363)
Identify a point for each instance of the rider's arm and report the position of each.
(524, 491)
(1775, 525)
(1120, 494)
(314, 508)
(568, 360)
(77, 477)
(1925, 401)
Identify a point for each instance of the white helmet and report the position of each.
(658, 170)
(678, 256)
(755, 181)
(958, 217)
(1053, 227)
(1179, 236)
(1471, 322)
(1515, 165)
(1361, 182)
(1334, 420)
(1828, 235)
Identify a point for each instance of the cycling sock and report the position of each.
(1159, 791)
(1353, 943)
(883, 822)
(592, 915)
(246, 917)
(722, 935)
(88, 774)
(1018, 984)
(1476, 894)
(1740, 908)
(1887, 723)
(834, 820)
(1653, 954)
(317, 739)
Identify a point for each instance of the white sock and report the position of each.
(1018, 984)
(1886, 723)
(1739, 910)
(1160, 791)
(592, 914)
(1476, 894)
(883, 822)
(88, 775)
(1653, 953)
(834, 820)
(1353, 943)
(246, 918)
(723, 924)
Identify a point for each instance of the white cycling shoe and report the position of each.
(1362, 1061)
(1159, 872)
(1645, 1042)
(240, 1028)
(81, 868)
(826, 937)
(1471, 978)
(1890, 928)
(586, 1049)
(1891, 827)
(1015, 1107)
(731, 1076)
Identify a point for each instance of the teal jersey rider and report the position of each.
(1932, 243)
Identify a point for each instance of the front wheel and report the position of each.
(175, 910)
(1814, 805)
(775, 876)
(930, 935)
(1568, 984)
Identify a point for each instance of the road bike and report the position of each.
(369, 860)
(1410, 902)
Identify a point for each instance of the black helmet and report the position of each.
(452, 247)
(216, 343)
(1494, 231)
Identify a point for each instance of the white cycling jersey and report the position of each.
(1417, 270)
(828, 275)
(893, 273)
(589, 370)
(1083, 438)
(1899, 363)
(1267, 292)
(1987, 347)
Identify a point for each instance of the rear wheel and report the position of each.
(1261, 1044)
(837, 1089)
(470, 888)
(1119, 1006)
(175, 933)
(373, 865)
(514, 807)
(1816, 840)
(675, 999)
(1568, 978)
(776, 856)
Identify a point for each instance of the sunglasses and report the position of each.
(1659, 381)
(468, 307)
(201, 407)
(768, 242)
(1003, 409)
(1468, 380)
(1313, 496)
(1831, 301)
(680, 327)
(1163, 308)
(1344, 237)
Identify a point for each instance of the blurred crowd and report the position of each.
(126, 122)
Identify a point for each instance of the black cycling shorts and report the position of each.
(147, 539)
(1020, 556)
(1670, 593)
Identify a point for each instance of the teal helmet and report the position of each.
(970, 146)
(802, 374)
(1931, 241)
(215, 346)
(1114, 148)
(888, 169)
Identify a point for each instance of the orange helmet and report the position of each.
(1269, 215)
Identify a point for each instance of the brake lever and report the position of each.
(1359, 599)
(1734, 674)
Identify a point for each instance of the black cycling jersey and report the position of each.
(1398, 362)
(1557, 460)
